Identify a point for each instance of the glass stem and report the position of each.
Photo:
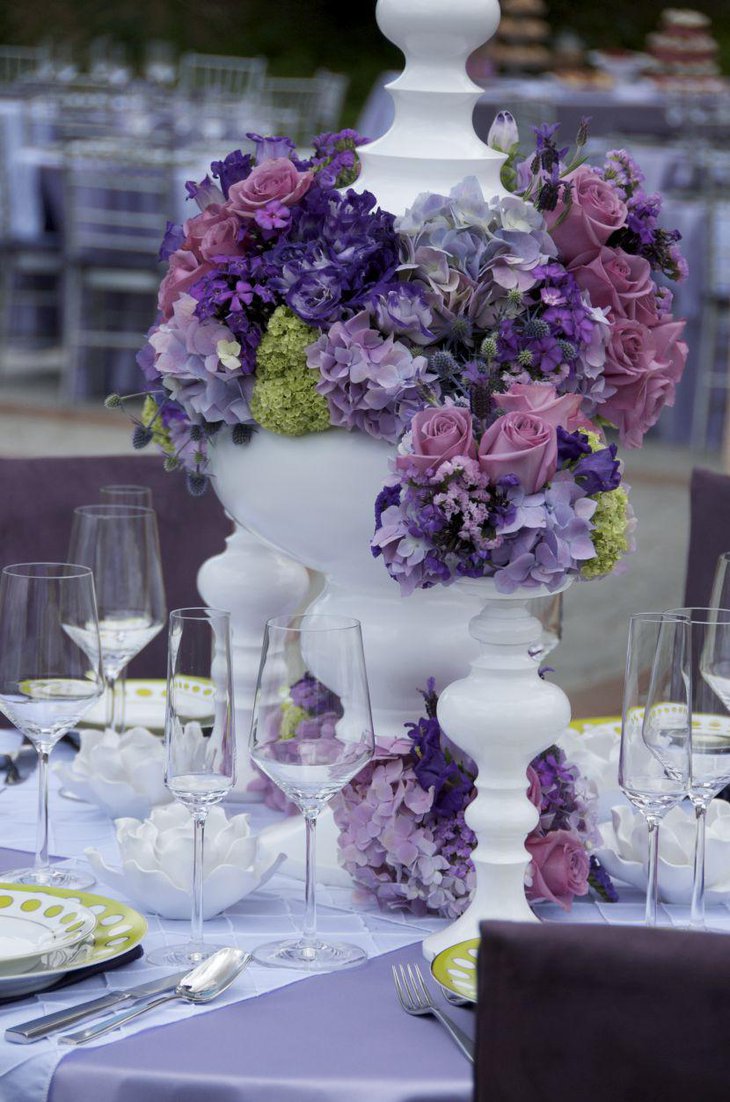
(652, 884)
(309, 932)
(697, 910)
(42, 864)
(196, 921)
(120, 690)
(112, 711)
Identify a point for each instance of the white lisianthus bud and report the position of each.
(503, 132)
(229, 353)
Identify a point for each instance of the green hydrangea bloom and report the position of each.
(160, 435)
(610, 520)
(284, 398)
(292, 716)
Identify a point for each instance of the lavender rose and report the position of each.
(438, 435)
(276, 179)
(595, 212)
(643, 366)
(559, 868)
(520, 444)
(542, 399)
(616, 279)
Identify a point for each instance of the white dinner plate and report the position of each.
(145, 700)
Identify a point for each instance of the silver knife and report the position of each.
(38, 1028)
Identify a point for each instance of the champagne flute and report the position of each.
(656, 728)
(200, 744)
(124, 494)
(121, 545)
(710, 629)
(50, 675)
(311, 733)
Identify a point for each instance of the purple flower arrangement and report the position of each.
(404, 840)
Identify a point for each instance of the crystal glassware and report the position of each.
(656, 729)
(549, 611)
(710, 630)
(311, 733)
(200, 767)
(121, 545)
(50, 675)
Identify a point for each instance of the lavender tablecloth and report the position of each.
(330, 1039)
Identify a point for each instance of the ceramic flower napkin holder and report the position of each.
(123, 774)
(157, 861)
(624, 852)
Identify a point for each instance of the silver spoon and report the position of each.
(208, 979)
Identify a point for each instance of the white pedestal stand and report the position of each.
(503, 714)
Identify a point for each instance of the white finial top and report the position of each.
(432, 144)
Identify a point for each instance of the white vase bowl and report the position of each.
(157, 861)
(312, 497)
(123, 774)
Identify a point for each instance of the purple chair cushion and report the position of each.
(600, 1013)
(38, 498)
(709, 533)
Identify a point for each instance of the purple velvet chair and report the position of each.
(709, 533)
(601, 1013)
(37, 499)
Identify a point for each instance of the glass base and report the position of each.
(54, 877)
(182, 956)
(309, 956)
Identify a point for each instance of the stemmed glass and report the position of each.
(311, 733)
(655, 754)
(121, 545)
(549, 611)
(200, 744)
(124, 494)
(710, 629)
(50, 675)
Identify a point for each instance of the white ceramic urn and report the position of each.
(313, 497)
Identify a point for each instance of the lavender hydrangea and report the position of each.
(371, 383)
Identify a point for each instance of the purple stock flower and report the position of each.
(172, 240)
(234, 168)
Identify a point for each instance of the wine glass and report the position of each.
(655, 754)
(200, 744)
(124, 494)
(121, 545)
(721, 583)
(311, 733)
(50, 675)
(710, 629)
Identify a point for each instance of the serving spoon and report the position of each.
(203, 983)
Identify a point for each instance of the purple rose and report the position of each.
(596, 211)
(438, 435)
(185, 269)
(275, 179)
(520, 444)
(559, 868)
(542, 399)
(221, 238)
(618, 280)
(643, 366)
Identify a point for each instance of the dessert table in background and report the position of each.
(275, 1036)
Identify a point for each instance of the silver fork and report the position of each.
(414, 997)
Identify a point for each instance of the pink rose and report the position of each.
(183, 272)
(438, 435)
(222, 238)
(644, 366)
(275, 179)
(559, 868)
(521, 444)
(595, 212)
(618, 280)
(541, 398)
(534, 789)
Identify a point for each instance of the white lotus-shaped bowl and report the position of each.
(624, 852)
(595, 750)
(157, 861)
(123, 774)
